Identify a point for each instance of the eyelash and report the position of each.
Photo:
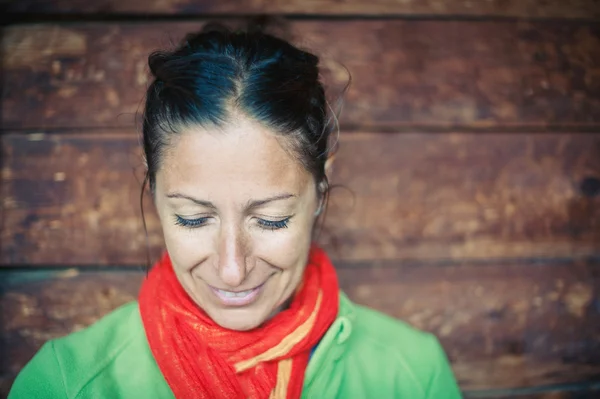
(190, 223)
(264, 224)
(274, 225)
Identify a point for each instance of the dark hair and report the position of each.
(218, 71)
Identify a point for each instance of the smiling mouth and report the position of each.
(240, 298)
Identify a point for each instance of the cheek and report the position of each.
(186, 247)
(286, 248)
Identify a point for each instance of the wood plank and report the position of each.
(465, 196)
(506, 8)
(406, 73)
(73, 198)
(503, 325)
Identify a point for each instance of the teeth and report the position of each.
(229, 294)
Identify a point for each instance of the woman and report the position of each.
(242, 304)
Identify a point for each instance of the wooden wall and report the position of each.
(470, 143)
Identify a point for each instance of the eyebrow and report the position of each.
(195, 200)
(249, 205)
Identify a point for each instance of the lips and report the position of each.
(241, 298)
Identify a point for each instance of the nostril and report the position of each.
(590, 187)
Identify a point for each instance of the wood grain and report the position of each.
(411, 73)
(465, 196)
(502, 325)
(495, 8)
(73, 199)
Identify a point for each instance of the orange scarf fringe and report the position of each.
(200, 359)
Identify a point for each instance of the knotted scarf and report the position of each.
(200, 359)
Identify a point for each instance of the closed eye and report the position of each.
(190, 223)
(263, 223)
(274, 224)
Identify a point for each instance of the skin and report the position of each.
(226, 171)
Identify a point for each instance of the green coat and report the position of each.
(364, 354)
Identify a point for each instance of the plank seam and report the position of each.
(25, 17)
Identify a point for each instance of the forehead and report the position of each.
(244, 155)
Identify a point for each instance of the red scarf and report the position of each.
(200, 359)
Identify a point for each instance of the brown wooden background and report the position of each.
(470, 141)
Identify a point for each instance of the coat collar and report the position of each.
(319, 375)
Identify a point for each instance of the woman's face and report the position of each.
(237, 212)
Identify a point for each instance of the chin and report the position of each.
(238, 319)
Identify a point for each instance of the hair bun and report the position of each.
(213, 26)
(270, 25)
(259, 24)
(156, 62)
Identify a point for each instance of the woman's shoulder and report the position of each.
(387, 345)
(97, 355)
(385, 332)
(102, 341)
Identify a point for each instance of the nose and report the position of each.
(232, 257)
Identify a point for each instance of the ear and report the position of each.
(321, 206)
(144, 164)
(329, 165)
(323, 186)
